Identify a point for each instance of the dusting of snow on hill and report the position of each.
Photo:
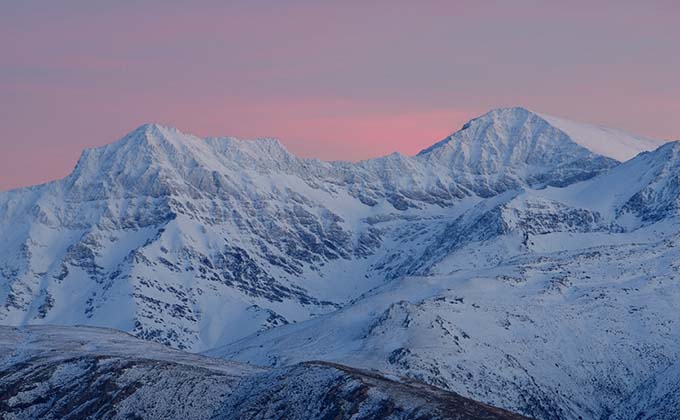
(92, 373)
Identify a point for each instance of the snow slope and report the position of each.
(198, 242)
(508, 262)
(559, 303)
(605, 141)
(555, 335)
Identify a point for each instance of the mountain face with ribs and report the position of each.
(197, 242)
(517, 262)
(557, 303)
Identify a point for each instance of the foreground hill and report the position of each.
(77, 373)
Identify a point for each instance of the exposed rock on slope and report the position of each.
(78, 373)
(509, 263)
(198, 242)
(557, 303)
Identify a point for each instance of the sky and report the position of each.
(332, 79)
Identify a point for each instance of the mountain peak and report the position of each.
(510, 124)
(151, 127)
(149, 141)
(505, 138)
(157, 134)
(163, 159)
(496, 119)
(158, 144)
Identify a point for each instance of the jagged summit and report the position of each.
(504, 137)
(512, 148)
(504, 148)
(495, 263)
(514, 142)
(514, 113)
(518, 123)
(148, 141)
(154, 138)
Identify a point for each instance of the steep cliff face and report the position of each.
(551, 331)
(197, 242)
(516, 262)
(556, 303)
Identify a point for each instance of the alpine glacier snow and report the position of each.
(517, 262)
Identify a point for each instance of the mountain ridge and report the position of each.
(475, 259)
(160, 201)
(550, 301)
(646, 143)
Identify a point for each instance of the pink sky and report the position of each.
(335, 80)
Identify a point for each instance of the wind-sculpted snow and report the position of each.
(197, 242)
(51, 372)
(606, 141)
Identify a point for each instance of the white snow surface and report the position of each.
(198, 242)
(616, 144)
(561, 324)
(516, 262)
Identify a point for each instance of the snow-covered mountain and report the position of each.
(517, 262)
(92, 373)
(197, 242)
(606, 141)
(556, 303)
